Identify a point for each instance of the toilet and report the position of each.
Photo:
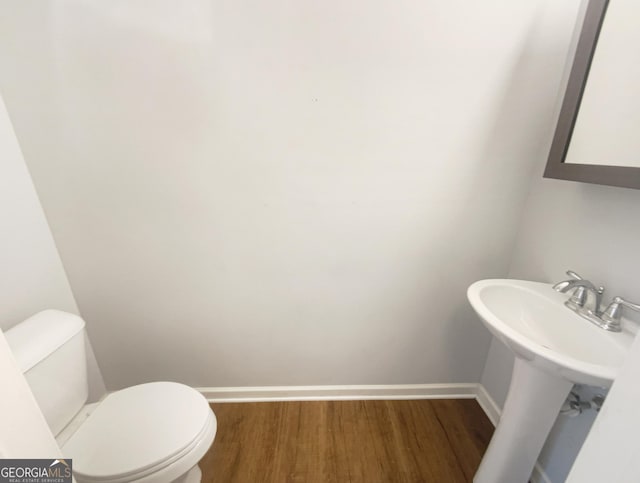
(150, 433)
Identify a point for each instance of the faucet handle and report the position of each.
(579, 297)
(574, 275)
(566, 284)
(613, 312)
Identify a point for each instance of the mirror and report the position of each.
(597, 138)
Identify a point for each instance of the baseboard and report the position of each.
(486, 402)
(339, 393)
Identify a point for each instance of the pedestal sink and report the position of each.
(554, 349)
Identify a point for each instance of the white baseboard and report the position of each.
(339, 393)
(486, 402)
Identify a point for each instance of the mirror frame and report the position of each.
(623, 176)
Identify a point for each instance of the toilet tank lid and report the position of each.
(37, 337)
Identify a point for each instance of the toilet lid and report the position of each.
(136, 429)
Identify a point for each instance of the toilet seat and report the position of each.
(141, 431)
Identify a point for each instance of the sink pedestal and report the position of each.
(532, 406)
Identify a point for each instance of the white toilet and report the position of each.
(151, 433)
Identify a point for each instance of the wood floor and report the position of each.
(437, 441)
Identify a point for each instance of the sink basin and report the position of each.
(530, 318)
(554, 348)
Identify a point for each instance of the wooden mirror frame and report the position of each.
(623, 176)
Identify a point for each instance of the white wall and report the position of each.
(287, 193)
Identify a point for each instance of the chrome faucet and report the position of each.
(560, 286)
(609, 318)
(579, 300)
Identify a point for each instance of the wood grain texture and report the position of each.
(438, 441)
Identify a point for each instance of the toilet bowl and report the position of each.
(149, 433)
(152, 432)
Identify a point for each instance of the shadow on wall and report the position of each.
(511, 153)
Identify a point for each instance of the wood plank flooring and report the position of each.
(437, 441)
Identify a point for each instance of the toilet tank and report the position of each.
(50, 351)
